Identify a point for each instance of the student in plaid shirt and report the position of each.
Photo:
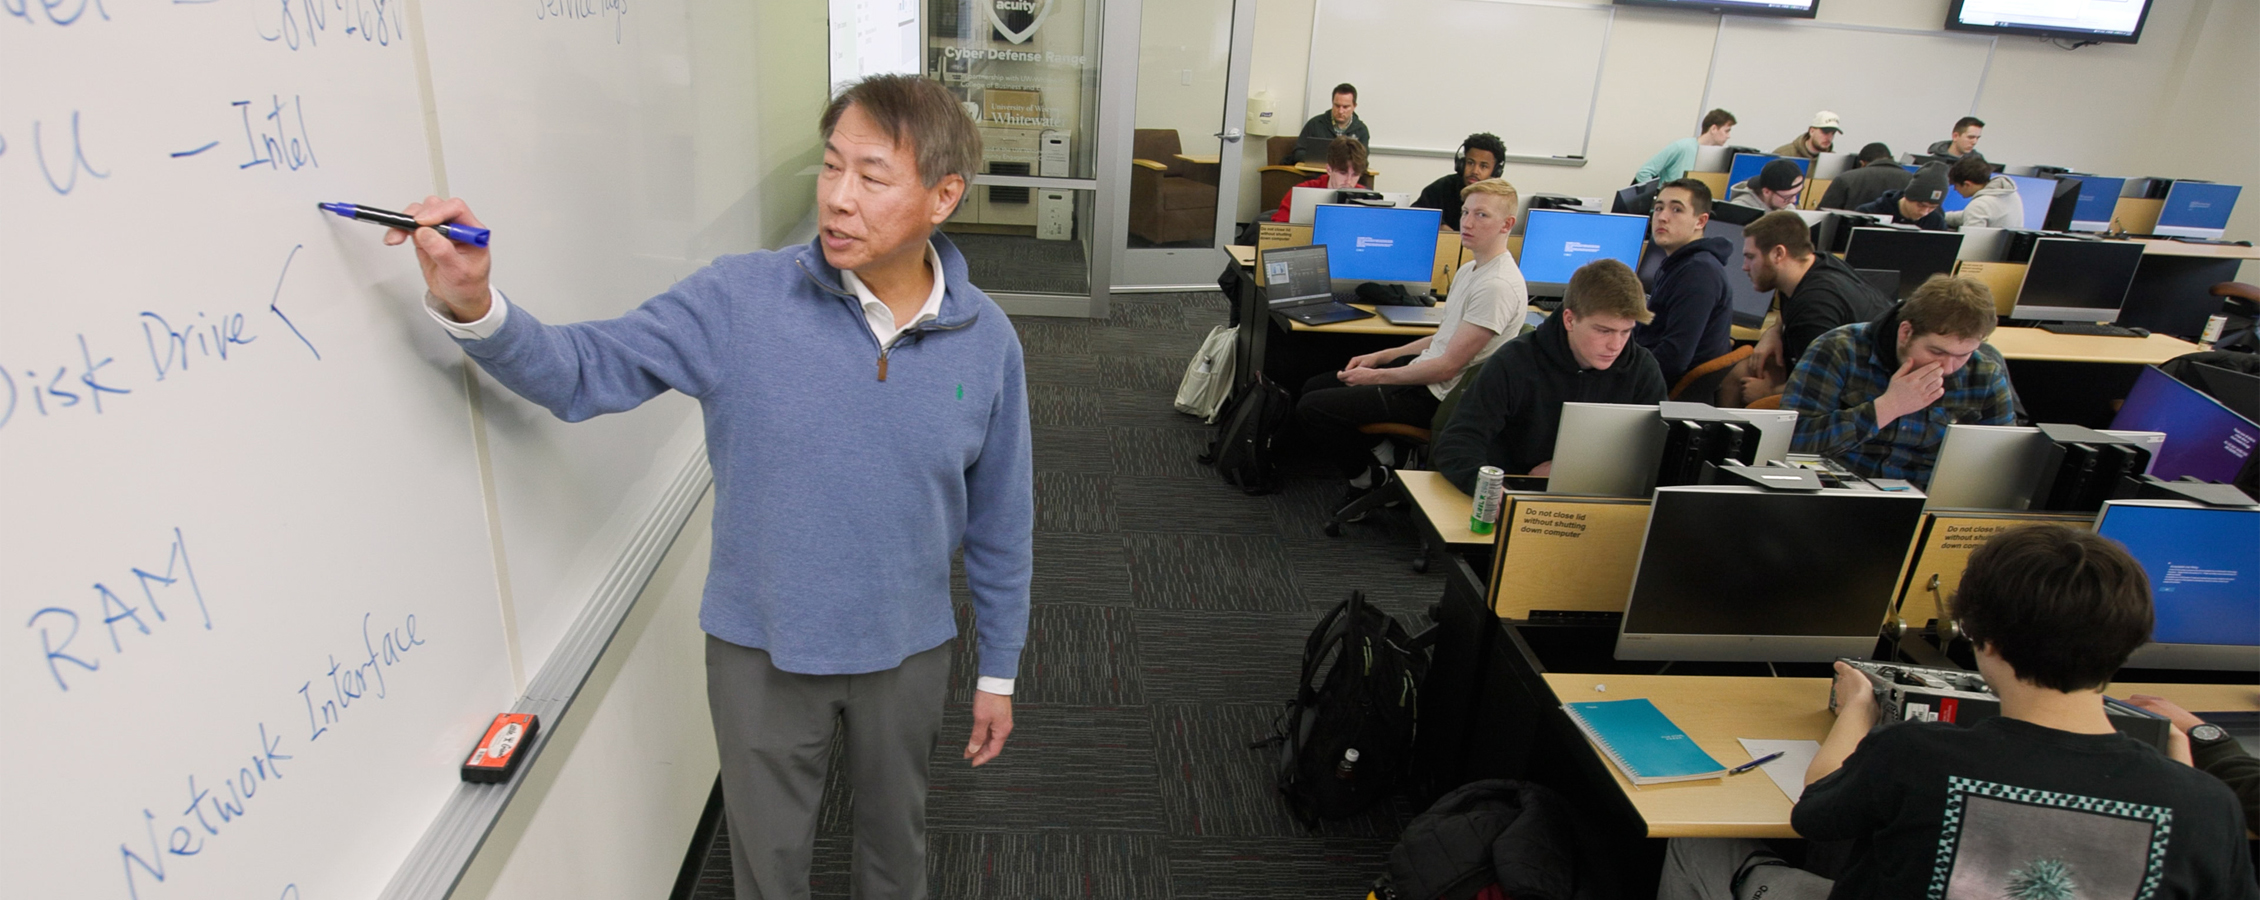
(1879, 395)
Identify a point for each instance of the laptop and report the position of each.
(1298, 285)
(1411, 315)
(1302, 205)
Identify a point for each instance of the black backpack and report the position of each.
(1368, 702)
(1512, 834)
(1245, 434)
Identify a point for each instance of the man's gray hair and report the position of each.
(914, 110)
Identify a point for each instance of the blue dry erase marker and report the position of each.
(461, 234)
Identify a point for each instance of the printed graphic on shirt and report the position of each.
(2000, 841)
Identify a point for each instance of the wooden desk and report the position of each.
(1715, 711)
(2035, 344)
(1444, 510)
(1242, 254)
(1375, 325)
(2203, 251)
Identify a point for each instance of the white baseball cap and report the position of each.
(1827, 120)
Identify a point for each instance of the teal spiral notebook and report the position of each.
(1642, 742)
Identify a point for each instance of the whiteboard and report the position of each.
(272, 556)
(1417, 98)
(1904, 88)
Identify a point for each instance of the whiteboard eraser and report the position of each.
(496, 757)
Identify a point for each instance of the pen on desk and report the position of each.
(1745, 767)
(461, 234)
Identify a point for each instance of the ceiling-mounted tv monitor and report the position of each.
(2118, 22)
(1796, 9)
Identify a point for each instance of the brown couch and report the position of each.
(1172, 199)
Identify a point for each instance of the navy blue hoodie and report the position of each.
(1694, 307)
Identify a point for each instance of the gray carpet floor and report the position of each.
(1169, 615)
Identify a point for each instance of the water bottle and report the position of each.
(1349, 761)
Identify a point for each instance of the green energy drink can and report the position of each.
(1490, 485)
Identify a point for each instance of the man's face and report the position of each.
(1485, 221)
(1480, 164)
(1782, 199)
(1761, 267)
(1716, 135)
(1966, 139)
(1674, 224)
(1341, 179)
(1948, 352)
(870, 205)
(1824, 140)
(1913, 210)
(1597, 340)
(1346, 105)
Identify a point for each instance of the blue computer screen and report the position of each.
(2197, 205)
(1746, 166)
(2099, 201)
(1955, 202)
(2204, 568)
(1372, 243)
(2203, 438)
(2034, 193)
(1556, 243)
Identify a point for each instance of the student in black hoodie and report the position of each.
(1584, 354)
(1693, 304)
(1817, 292)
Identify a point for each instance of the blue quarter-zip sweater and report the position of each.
(844, 475)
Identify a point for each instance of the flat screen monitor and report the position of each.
(1295, 275)
(1827, 166)
(1953, 201)
(1731, 573)
(1915, 255)
(1556, 243)
(2203, 437)
(1371, 243)
(1999, 466)
(2197, 209)
(2204, 569)
(1606, 449)
(2239, 391)
(1750, 304)
(1746, 166)
(2098, 203)
(2113, 22)
(1712, 159)
(2035, 193)
(2069, 280)
(1795, 9)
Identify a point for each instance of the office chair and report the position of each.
(2240, 302)
(1411, 442)
(1704, 379)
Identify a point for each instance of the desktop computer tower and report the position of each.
(2083, 467)
(1055, 214)
(2148, 187)
(1696, 433)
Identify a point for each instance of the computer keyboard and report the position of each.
(2088, 328)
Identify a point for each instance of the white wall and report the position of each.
(2179, 103)
(1184, 48)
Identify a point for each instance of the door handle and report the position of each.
(1230, 135)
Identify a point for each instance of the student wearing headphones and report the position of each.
(2046, 799)
(1478, 160)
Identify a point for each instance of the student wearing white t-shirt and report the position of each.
(1406, 384)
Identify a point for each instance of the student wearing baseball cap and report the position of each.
(1819, 138)
(1918, 204)
(1774, 187)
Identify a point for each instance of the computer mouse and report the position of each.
(2139, 331)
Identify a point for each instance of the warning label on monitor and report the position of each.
(1556, 522)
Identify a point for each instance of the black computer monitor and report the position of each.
(1750, 304)
(1639, 199)
(2204, 569)
(1745, 574)
(2239, 391)
(2071, 280)
(1915, 255)
(2063, 203)
(2204, 438)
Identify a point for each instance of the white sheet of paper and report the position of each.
(1788, 772)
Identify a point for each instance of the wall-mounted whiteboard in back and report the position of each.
(1421, 102)
(1902, 87)
(269, 559)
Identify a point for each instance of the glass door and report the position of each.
(1032, 228)
(1181, 184)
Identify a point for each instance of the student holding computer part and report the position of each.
(1878, 395)
(2046, 799)
(1485, 309)
(1345, 164)
(1818, 292)
(1693, 302)
(1510, 415)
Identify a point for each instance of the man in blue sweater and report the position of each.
(866, 414)
(1693, 303)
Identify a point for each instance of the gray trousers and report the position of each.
(1733, 869)
(774, 730)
